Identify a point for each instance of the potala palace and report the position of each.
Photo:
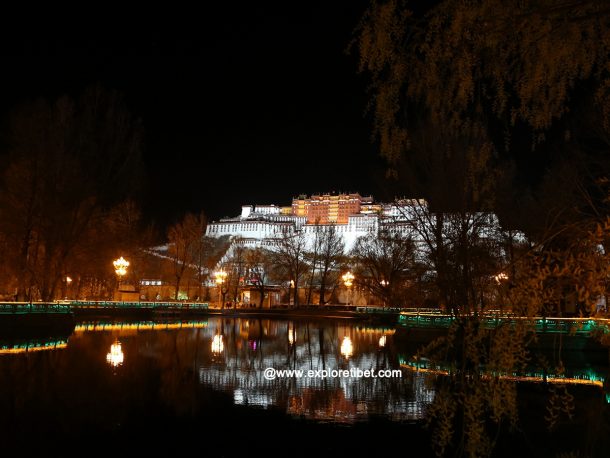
(351, 215)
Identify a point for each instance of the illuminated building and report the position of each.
(329, 208)
(351, 215)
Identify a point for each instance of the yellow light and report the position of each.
(347, 349)
(137, 326)
(115, 357)
(120, 266)
(500, 277)
(548, 379)
(221, 276)
(348, 278)
(33, 348)
(292, 337)
(217, 345)
(382, 341)
(68, 280)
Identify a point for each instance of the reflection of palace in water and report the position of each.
(251, 346)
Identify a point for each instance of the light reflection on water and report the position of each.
(110, 374)
(252, 346)
(229, 357)
(115, 357)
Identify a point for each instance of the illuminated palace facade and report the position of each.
(351, 215)
(331, 208)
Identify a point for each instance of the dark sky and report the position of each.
(241, 104)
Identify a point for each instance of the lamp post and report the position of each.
(68, 281)
(384, 283)
(501, 278)
(348, 279)
(221, 276)
(120, 268)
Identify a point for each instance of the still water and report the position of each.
(176, 383)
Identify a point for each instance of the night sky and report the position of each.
(240, 104)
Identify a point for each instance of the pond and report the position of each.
(227, 384)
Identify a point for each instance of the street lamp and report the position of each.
(500, 277)
(291, 298)
(384, 283)
(68, 281)
(120, 267)
(221, 276)
(348, 279)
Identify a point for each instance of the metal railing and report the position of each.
(22, 308)
(139, 305)
(575, 326)
(377, 309)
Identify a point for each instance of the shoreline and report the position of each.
(287, 313)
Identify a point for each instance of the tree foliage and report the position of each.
(519, 91)
(468, 63)
(68, 161)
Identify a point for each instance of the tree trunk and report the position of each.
(296, 293)
(177, 288)
(322, 288)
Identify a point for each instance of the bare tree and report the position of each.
(384, 264)
(289, 258)
(199, 251)
(331, 254)
(312, 256)
(461, 251)
(184, 242)
(236, 268)
(260, 265)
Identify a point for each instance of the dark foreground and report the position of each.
(227, 430)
